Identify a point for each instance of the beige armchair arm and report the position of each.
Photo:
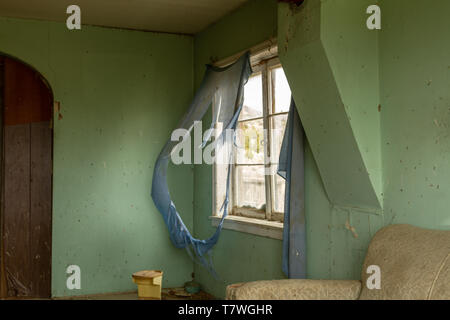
(295, 289)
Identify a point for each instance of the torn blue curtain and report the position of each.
(291, 168)
(224, 86)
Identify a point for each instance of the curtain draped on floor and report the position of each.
(291, 168)
(224, 86)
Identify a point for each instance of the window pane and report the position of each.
(278, 126)
(278, 193)
(281, 92)
(250, 142)
(253, 102)
(250, 187)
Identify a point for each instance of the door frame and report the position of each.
(3, 279)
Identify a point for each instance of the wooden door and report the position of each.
(26, 211)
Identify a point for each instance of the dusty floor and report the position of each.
(167, 294)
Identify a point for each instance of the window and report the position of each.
(257, 192)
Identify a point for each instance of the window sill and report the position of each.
(263, 228)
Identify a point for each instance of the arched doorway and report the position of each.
(26, 181)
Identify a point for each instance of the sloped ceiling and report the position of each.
(341, 120)
(175, 16)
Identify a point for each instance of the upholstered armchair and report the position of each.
(414, 264)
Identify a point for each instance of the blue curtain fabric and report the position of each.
(225, 86)
(291, 168)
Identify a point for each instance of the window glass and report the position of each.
(278, 193)
(249, 142)
(281, 93)
(250, 187)
(253, 98)
(277, 125)
(260, 134)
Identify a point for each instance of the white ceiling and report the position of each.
(177, 16)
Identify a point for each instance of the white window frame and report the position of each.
(264, 68)
(263, 58)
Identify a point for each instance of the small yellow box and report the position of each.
(149, 284)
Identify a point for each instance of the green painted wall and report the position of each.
(331, 62)
(121, 93)
(115, 87)
(415, 112)
(329, 56)
(352, 51)
(336, 90)
(395, 156)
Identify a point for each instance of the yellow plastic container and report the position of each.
(149, 284)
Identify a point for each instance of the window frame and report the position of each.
(263, 66)
(260, 227)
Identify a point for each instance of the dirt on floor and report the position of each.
(181, 294)
(166, 294)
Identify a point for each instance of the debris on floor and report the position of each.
(166, 294)
(182, 294)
